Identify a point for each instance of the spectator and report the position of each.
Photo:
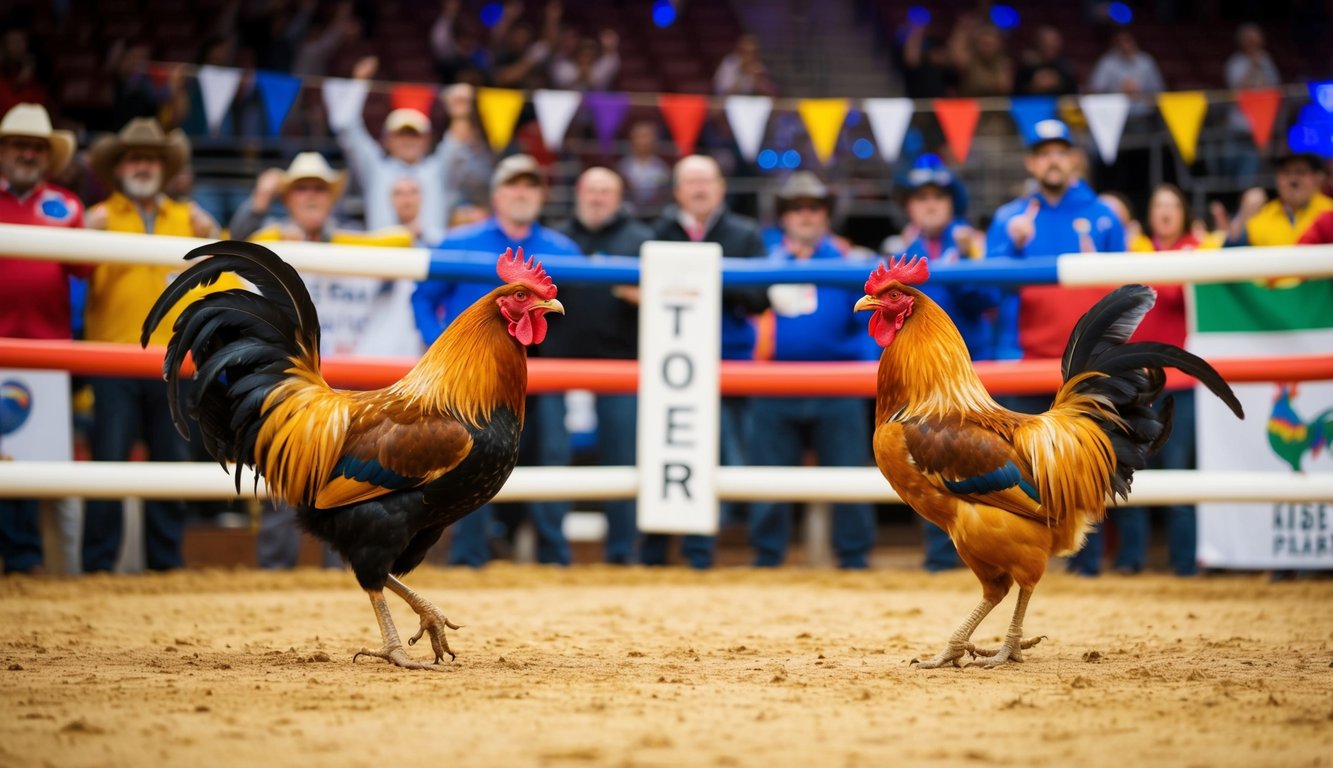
(606, 327)
(405, 197)
(22, 71)
(1283, 220)
(1062, 215)
(1046, 71)
(518, 193)
(742, 72)
(341, 31)
(984, 68)
(519, 58)
(647, 175)
(937, 231)
(136, 163)
(134, 94)
(1249, 67)
(1120, 206)
(593, 67)
(1126, 69)
(454, 45)
(701, 215)
(806, 323)
(34, 295)
(457, 159)
(925, 62)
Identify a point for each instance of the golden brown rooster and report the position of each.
(380, 474)
(1010, 488)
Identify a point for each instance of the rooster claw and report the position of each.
(398, 657)
(434, 623)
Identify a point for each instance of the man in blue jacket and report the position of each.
(809, 322)
(518, 191)
(936, 203)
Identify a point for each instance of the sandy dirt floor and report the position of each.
(593, 666)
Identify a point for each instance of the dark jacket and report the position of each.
(603, 326)
(740, 238)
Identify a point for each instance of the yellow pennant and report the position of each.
(499, 108)
(823, 120)
(1184, 113)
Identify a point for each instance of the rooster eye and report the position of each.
(894, 295)
(521, 295)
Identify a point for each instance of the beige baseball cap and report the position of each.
(406, 119)
(515, 166)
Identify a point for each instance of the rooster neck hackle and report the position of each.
(474, 367)
(926, 372)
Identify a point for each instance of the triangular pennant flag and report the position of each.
(823, 121)
(684, 115)
(608, 112)
(412, 96)
(1106, 114)
(1027, 111)
(343, 100)
(555, 110)
(1184, 113)
(218, 87)
(958, 120)
(748, 118)
(278, 92)
(499, 108)
(1259, 105)
(888, 121)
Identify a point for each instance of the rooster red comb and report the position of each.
(914, 271)
(513, 269)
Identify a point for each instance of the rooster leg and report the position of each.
(432, 620)
(392, 651)
(958, 644)
(1014, 644)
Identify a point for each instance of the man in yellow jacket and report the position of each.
(136, 163)
(1284, 219)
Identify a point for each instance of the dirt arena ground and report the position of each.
(599, 667)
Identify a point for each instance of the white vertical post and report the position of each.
(679, 349)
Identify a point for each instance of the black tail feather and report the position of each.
(1132, 378)
(243, 343)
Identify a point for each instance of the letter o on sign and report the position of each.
(677, 370)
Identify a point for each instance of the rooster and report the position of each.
(378, 475)
(1290, 437)
(1010, 488)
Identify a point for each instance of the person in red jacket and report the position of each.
(34, 295)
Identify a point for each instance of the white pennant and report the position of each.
(888, 121)
(343, 100)
(1106, 113)
(554, 111)
(748, 116)
(217, 86)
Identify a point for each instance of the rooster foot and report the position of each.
(397, 656)
(1010, 651)
(434, 623)
(949, 656)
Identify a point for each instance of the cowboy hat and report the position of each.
(312, 165)
(139, 133)
(31, 120)
(803, 185)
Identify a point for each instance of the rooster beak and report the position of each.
(550, 305)
(867, 302)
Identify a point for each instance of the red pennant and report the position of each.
(413, 96)
(958, 119)
(684, 114)
(1260, 107)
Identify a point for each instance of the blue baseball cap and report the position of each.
(929, 170)
(1049, 130)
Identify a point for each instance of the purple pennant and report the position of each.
(608, 112)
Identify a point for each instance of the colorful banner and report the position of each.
(958, 119)
(413, 96)
(499, 109)
(1259, 105)
(1287, 426)
(608, 112)
(1106, 114)
(888, 122)
(217, 86)
(555, 110)
(823, 120)
(684, 115)
(1183, 113)
(344, 100)
(748, 118)
(1027, 111)
(35, 416)
(278, 92)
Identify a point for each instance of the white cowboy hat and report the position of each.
(139, 133)
(312, 165)
(32, 120)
